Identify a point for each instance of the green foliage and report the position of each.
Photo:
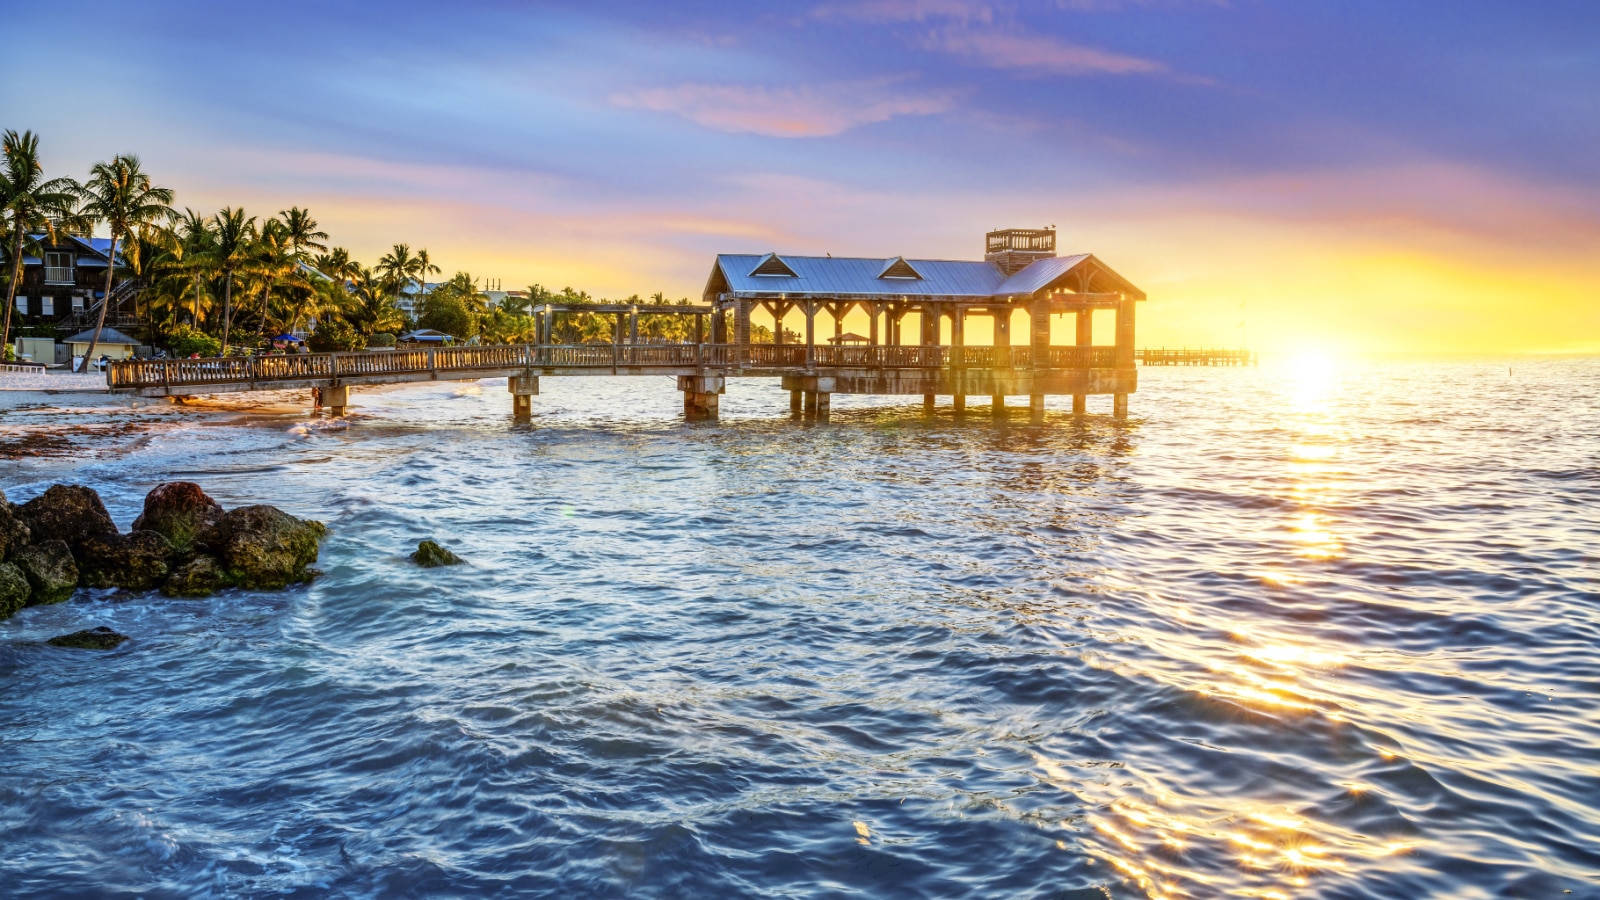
(446, 310)
(334, 335)
(381, 339)
(186, 340)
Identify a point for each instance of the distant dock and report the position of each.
(1188, 357)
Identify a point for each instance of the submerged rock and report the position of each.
(430, 555)
(178, 511)
(101, 638)
(199, 577)
(13, 590)
(67, 512)
(135, 562)
(14, 533)
(50, 569)
(263, 547)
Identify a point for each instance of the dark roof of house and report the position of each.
(107, 336)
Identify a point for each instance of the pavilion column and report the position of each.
(741, 330)
(1125, 314)
(778, 310)
(699, 328)
(633, 324)
(1002, 360)
(1039, 339)
(958, 359)
(1080, 402)
(872, 310)
(811, 334)
(930, 338)
(616, 335)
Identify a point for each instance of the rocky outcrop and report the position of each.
(135, 562)
(13, 589)
(184, 543)
(50, 569)
(199, 577)
(430, 555)
(14, 533)
(178, 511)
(263, 547)
(66, 512)
(101, 638)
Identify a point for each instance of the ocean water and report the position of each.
(1322, 630)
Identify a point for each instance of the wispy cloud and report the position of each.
(885, 11)
(787, 112)
(1038, 53)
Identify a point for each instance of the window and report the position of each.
(47, 306)
(22, 305)
(77, 303)
(58, 268)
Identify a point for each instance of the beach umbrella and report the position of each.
(289, 338)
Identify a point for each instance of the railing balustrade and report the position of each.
(148, 373)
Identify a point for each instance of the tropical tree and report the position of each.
(397, 266)
(233, 234)
(28, 203)
(425, 267)
(300, 232)
(120, 194)
(272, 261)
(371, 308)
(193, 263)
(337, 264)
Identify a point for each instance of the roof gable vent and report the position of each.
(899, 268)
(772, 265)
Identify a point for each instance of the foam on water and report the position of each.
(1299, 632)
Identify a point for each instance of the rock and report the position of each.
(51, 572)
(135, 562)
(199, 577)
(13, 590)
(101, 638)
(67, 512)
(179, 511)
(263, 547)
(14, 533)
(430, 555)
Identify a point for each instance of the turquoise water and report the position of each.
(1302, 631)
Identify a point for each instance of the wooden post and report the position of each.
(997, 405)
(741, 331)
(1002, 337)
(699, 328)
(633, 324)
(811, 403)
(811, 334)
(1039, 338)
(795, 399)
(958, 358)
(778, 311)
(1125, 312)
(930, 337)
(1080, 402)
(873, 309)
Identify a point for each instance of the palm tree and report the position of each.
(272, 260)
(397, 266)
(233, 234)
(425, 267)
(300, 232)
(195, 255)
(120, 194)
(27, 203)
(337, 264)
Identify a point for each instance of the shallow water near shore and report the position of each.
(1308, 630)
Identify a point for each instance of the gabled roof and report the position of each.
(899, 268)
(772, 266)
(856, 278)
(107, 336)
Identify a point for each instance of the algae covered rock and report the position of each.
(50, 569)
(13, 590)
(135, 562)
(263, 547)
(66, 512)
(430, 555)
(101, 638)
(178, 511)
(199, 577)
(14, 533)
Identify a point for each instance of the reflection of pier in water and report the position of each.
(1020, 277)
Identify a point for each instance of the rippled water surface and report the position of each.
(1296, 631)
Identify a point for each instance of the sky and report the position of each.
(1361, 175)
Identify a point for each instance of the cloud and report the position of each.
(1038, 53)
(883, 11)
(798, 112)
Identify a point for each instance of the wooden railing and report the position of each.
(453, 361)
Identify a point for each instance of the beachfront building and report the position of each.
(113, 344)
(1019, 276)
(63, 284)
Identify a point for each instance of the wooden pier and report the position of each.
(1020, 277)
(1186, 357)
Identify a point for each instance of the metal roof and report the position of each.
(835, 276)
(107, 336)
(1039, 274)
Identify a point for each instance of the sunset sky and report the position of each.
(1334, 175)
